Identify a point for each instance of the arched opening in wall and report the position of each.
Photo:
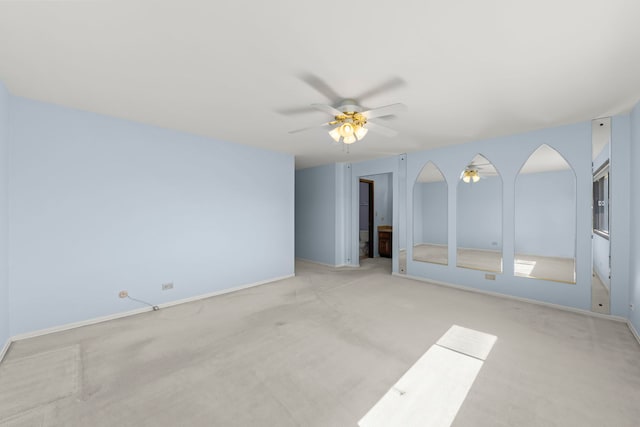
(545, 218)
(430, 199)
(479, 217)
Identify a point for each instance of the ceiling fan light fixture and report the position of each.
(470, 175)
(361, 132)
(348, 133)
(346, 130)
(349, 139)
(335, 134)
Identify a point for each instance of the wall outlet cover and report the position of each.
(167, 286)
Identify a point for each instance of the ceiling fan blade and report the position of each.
(310, 127)
(295, 110)
(390, 84)
(387, 118)
(327, 109)
(381, 129)
(321, 86)
(384, 111)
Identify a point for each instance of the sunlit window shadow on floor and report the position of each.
(432, 391)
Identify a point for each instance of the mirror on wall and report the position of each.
(601, 249)
(545, 218)
(402, 213)
(430, 212)
(479, 217)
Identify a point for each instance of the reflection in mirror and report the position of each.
(545, 218)
(601, 277)
(430, 216)
(402, 213)
(479, 217)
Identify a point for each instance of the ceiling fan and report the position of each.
(476, 170)
(351, 122)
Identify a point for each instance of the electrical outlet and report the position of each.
(167, 286)
(123, 294)
(631, 307)
(490, 276)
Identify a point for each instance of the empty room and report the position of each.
(319, 214)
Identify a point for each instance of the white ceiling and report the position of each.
(228, 70)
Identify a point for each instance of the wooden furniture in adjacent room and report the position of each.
(384, 240)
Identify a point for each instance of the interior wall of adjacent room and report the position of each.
(430, 214)
(634, 265)
(479, 214)
(98, 205)
(4, 222)
(545, 214)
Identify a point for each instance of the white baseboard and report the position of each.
(138, 311)
(513, 297)
(325, 264)
(223, 291)
(4, 349)
(79, 324)
(633, 331)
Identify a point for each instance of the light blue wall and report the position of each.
(98, 205)
(4, 200)
(634, 264)
(421, 217)
(315, 201)
(545, 214)
(430, 213)
(508, 154)
(479, 215)
(619, 214)
(382, 204)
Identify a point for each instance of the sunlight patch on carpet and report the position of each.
(432, 391)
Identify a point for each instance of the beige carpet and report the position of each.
(53, 375)
(321, 349)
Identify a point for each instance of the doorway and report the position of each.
(376, 219)
(366, 218)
